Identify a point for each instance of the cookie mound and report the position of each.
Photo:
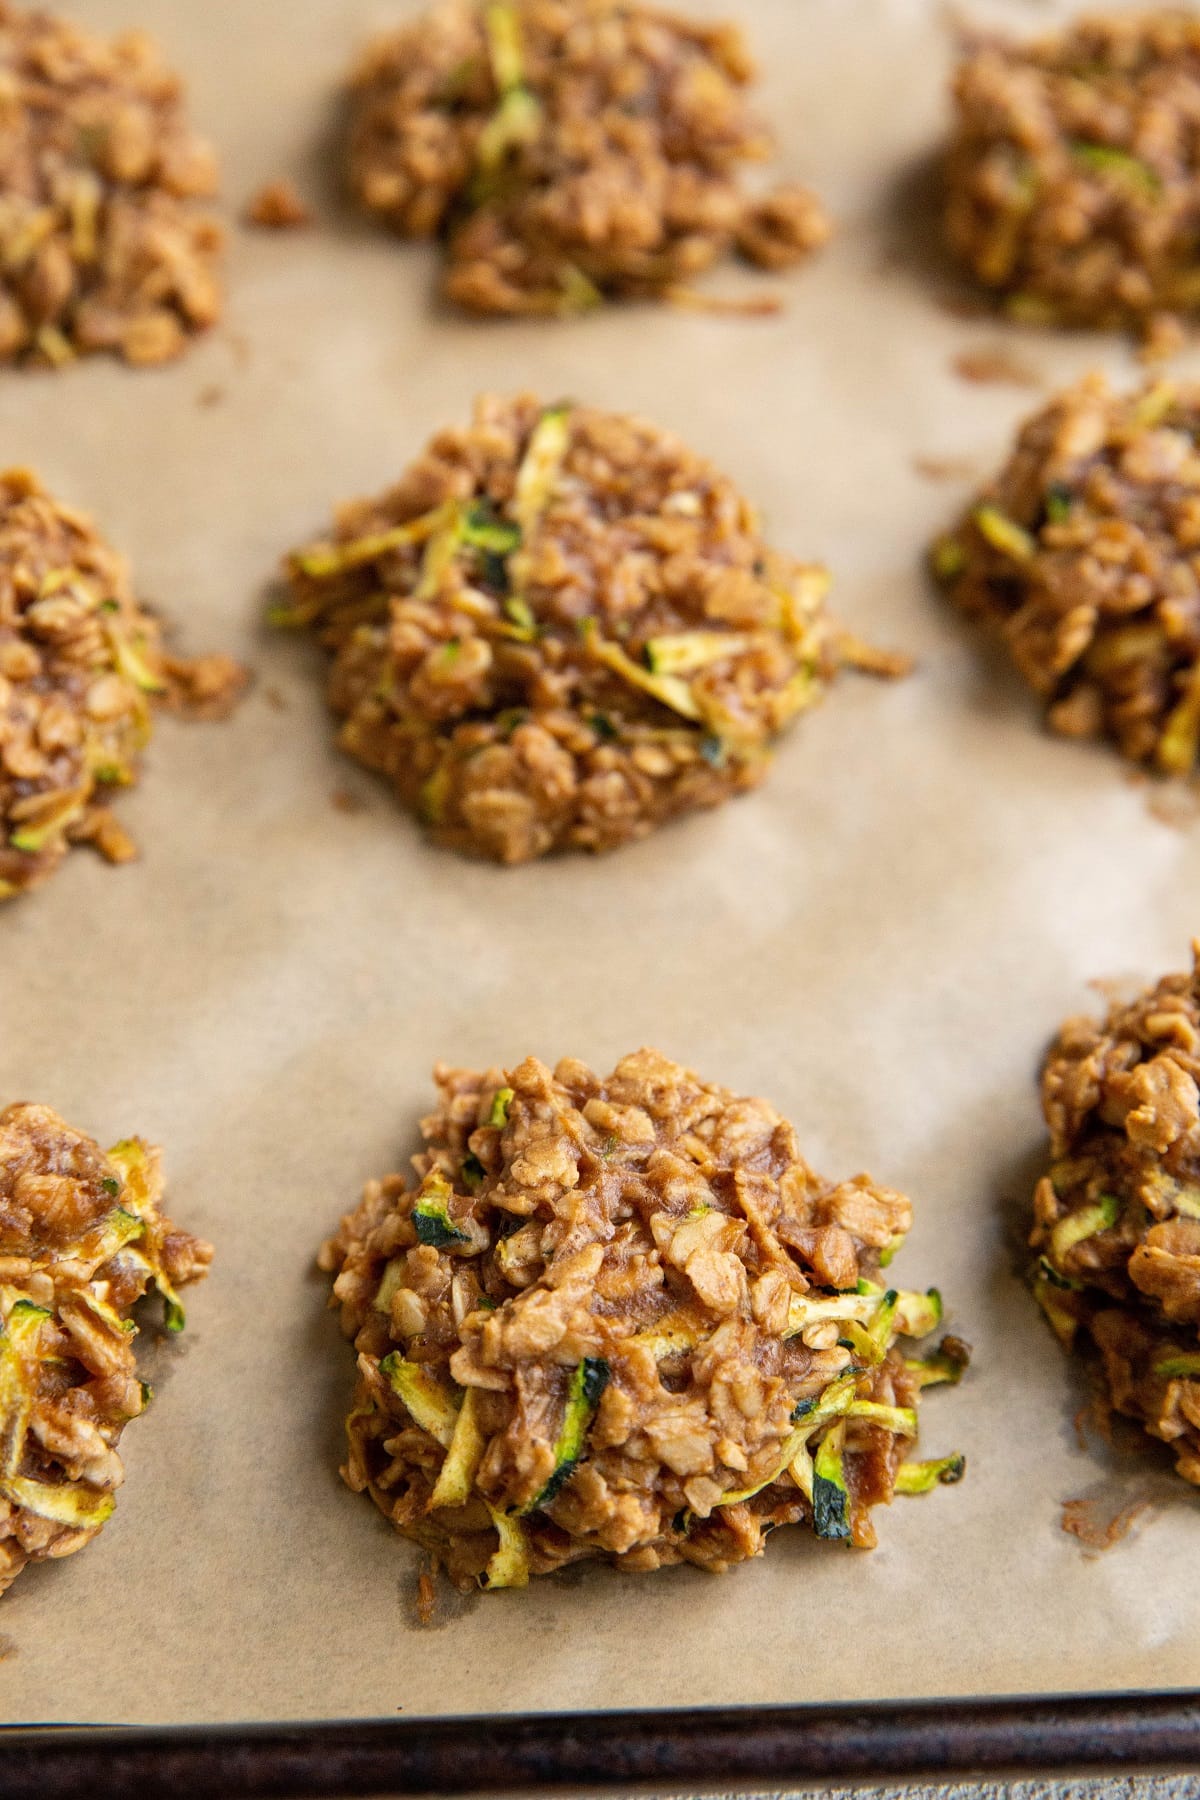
(621, 1318)
(567, 151)
(81, 666)
(561, 628)
(1081, 557)
(1117, 1218)
(82, 1237)
(102, 245)
(1073, 175)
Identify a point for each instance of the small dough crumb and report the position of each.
(278, 207)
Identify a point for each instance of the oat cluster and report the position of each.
(82, 1237)
(81, 667)
(561, 628)
(569, 150)
(1073, 176)
(620, 1317)
(1083, 555)
(1117, 1218)
(102, 244)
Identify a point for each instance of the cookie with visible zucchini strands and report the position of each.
(1081, 556)
(103, 243)
(561, 628)
(567, 153)
(1117, 1217)
(1073, 173)
(81, 666)
(82, 1238)
(619, 1317)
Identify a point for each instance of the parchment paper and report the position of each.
(880, 940)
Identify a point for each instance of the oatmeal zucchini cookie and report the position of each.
(568, 150)
(1073, 176)
(81, 665)
(1084, 556)
(82, 1237)
(102, 246)
(1117, 1218)
(620, 1317)
(560, 629)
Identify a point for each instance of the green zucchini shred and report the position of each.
(18, 1352)
(948, 558)
(1182, 1367)
(1088, 1222)
(430, 1404)
(922, 1477)
(588, 1382)
(390, 1282)
(430, 1215)
(1106, 159)
(520, 615)
(456, 1476)
(509, 1565)
(65, 1504)
(1004, 534)
(483, 529)
(941, 1366)
(891, 1249)
(830, 1497)
(1057, 502)
(902, 1420)
(541, 466)
(501, 1101)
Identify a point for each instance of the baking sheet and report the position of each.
(880, 940)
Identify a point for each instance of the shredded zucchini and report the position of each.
(18, 1381)
(588, 1382)
(830, 1497)
(948, 558)
(430, 1217)
(1106, 159)
(921, 1477)
(1004, 534)
(390, 1282)
(682, 652)
(1086, 1223)
(322, 560)
(899, 1419)
(1183, 1367)
(457, 1474)
(431, 1405)
(939, 1367)
(68, 1504)
(670, 690)
(541, 466)
(509, 1566)
(501, 1101)
(52, 823)
(131, 662)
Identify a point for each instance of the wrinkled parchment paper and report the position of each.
(880, 940)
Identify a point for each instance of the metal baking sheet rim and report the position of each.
(490, 1753)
